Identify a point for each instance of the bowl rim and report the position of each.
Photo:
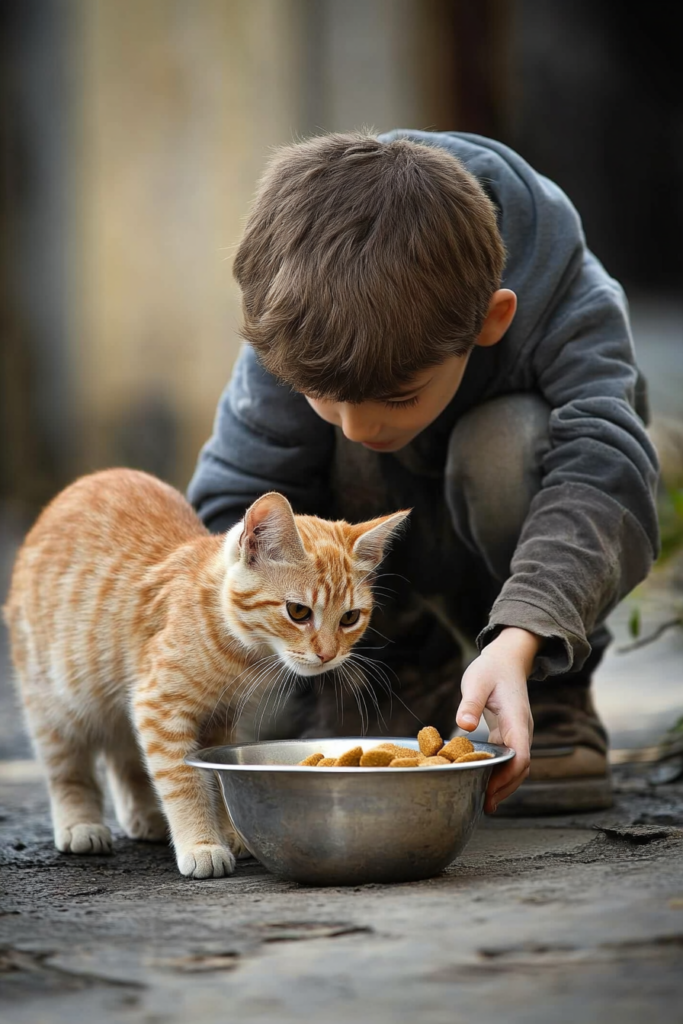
(202, 758)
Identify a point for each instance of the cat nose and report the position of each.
(328, 656)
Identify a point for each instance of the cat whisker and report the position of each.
(231, 683)
(380, 673)
(336, 697)
(374, 630)
(265, 697)
(364, 688)
(383, 680)
(284, 690)
(360, 699)
(258, 667)
(384, 575)
(250, 688)
(266, 692)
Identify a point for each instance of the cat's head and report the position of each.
(303, 585)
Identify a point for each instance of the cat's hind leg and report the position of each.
(75, 793)
(135, 802)
(67, 755)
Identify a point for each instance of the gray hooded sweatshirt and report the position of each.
(591, 532)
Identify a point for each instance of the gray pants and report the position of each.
(436, 587)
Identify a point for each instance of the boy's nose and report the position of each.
(358, 426)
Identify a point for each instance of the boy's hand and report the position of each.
(497, 681)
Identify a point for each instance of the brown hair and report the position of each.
(364, 262)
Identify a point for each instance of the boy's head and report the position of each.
(365, 266)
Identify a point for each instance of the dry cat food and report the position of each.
(432, 751)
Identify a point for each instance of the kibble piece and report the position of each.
(429, 740)
(376, 758)
(474, 755)
(312, 760)
(350, 758)
(327, 762)
(436, 759)
(405, 762)
(406, 752)
(456, 748)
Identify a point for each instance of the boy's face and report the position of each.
(392, 423)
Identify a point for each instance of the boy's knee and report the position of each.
(493, 471)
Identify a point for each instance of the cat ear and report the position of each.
(373, 543)
(269, 532)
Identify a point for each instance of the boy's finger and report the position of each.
(504, 782)
(471, 706)
(492, 803)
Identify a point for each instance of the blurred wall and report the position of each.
(178, 107)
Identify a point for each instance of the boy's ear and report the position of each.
(502, 309)
(269, 532)
(373, 543)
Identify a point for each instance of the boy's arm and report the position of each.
(591, 533)
(265, 438)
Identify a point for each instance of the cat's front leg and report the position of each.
(186, 794)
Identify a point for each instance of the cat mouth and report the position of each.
(305, 668)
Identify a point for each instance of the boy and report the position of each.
(449, 345)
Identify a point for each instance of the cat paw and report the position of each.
(206, 861)
(239, 848)
(149, 827)
(83, 839)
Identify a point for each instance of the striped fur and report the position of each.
(139, 636)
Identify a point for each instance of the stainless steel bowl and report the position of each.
(348, 826)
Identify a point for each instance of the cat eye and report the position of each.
(298, 612)
(350, 618)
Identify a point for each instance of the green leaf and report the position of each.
(634, 623)
(677, 501)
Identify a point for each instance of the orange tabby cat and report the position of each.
(134, 631)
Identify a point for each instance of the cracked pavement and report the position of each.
(573, 918)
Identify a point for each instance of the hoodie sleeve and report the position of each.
(591, 533)
(265, 438)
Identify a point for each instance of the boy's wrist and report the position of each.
(521, 644)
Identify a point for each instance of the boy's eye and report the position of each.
(350, 618)
(405, 404)
(298, 612)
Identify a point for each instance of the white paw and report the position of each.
(206, 861)
(83, 839)
(150, 827)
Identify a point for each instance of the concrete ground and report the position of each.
(565, 919)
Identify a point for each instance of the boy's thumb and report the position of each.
(470, 711)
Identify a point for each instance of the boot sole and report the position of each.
(565, 796)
